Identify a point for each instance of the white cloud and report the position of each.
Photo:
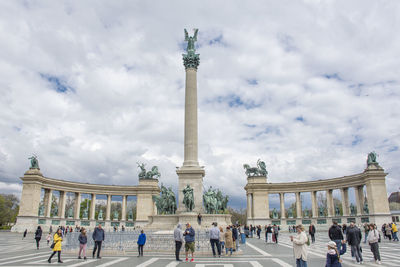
(309, 87)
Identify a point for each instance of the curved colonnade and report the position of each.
(373, 178)
(34, 182)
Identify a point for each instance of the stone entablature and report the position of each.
(373, 178)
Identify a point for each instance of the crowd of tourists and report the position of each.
(226, 240)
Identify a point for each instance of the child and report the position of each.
(48, 238)
(333, 255)
(82, 244)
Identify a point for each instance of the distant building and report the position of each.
(394, 197)
(394, 204)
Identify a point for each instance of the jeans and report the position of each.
(375, 251)
(338, 244)
(178, 245)
(312, 238)
(301, 263)
(243, 238)
(226, 250)
(365, 237)
(140, 250)
(237, 244)
(97, 246)
(276, 238)
(222, 245)
(82, 248)
(395, 238)
(215, 242)
(356, 251)
(58, 255)
(37, 242)
(269, 237)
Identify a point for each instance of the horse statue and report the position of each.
(260, 170)
(371, 160)
(188, 198)
(142, 173)
(153, 174)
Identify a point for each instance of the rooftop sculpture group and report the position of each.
(153, 174)
(260, 170)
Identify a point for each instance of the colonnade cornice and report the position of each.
(85, 188)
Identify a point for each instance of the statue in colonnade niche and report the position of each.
(290, 213)
(274, 214)
(371, 159)
(306, 214)
(41, 210)
(153, 174)
(260, 170)
(34, 162)
(85, 214)
(55, 210)
(100, 216)
(321, 211)
(116, 214)
(352, 209)
(337, 211)
(70, 213)
(188, 198)
(130, 215)
(366, 209)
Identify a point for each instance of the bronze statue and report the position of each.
(188, 198)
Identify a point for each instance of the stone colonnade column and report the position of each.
(298, 205)
(345, 201)
(260, 205)
(48, 196)
(108, 209)
(282, 202)
(123, 212)
(329, 203)
(249, 206)
(61, 207)
(314, 204)
(77, 206)
(360, 199)
(93, 207)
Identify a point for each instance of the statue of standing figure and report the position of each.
(116, 214)
(85, 214)
(366, 209)
(290, 213)
(274, 214)
(188, 198)
(321, 211)
(352, 209)
(100, 216)
(41, 210)
(70, 213)
(130, 215)
(337, 211)
(34, 162)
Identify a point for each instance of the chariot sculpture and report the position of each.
(153, 174)
(260, 170)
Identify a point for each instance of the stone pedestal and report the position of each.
(192, 176)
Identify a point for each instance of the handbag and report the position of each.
(53, 245)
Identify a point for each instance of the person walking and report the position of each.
(336, 235)
(388, 231)
(56, 246)
(214, 239)
(221, 239)
(333, 255)
(394, 230)
(228, 241)
(276, 232)
(98, 237)
(268, 234)
(51, 229)
(300, 246)
(189, 235)
(38, 236)
(344, 228)
(259, 231)
(235, 236)
(25, 232)
(366, 230)
(199, 218)
(178, 237)
(82, 243)
(141, 241)
(373, 238)
(354, 239)
(48, 238)
(311, 231)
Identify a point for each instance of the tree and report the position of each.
(9, 207)
(238, 216)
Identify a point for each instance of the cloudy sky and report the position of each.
(92, 87)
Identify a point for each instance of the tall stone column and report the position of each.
(93, 207)
(360, 190)
(345, 201)
(191, 173)
(61, 208)
(282, 202)
(48, 196)
(77, 206)
(329, 203)
(249, 206)
(123, 212)
(108, 209)
(298, 205)
(260, 205)
(314, 204)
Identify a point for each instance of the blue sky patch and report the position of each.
(216, 40)
(300, 118)
(357, 139)
(252, 81)
(393, 149)
(334, 76)
(57, 84)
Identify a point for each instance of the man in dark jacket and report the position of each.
(311, 231)
(336, 235)
(38, 236)
(235, 237)
(98, 237)
(189, 235)
(354, 239)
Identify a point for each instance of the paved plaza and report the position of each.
(17, 252)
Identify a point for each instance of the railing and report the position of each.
(157, 241)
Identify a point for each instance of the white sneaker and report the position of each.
(379, 262)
